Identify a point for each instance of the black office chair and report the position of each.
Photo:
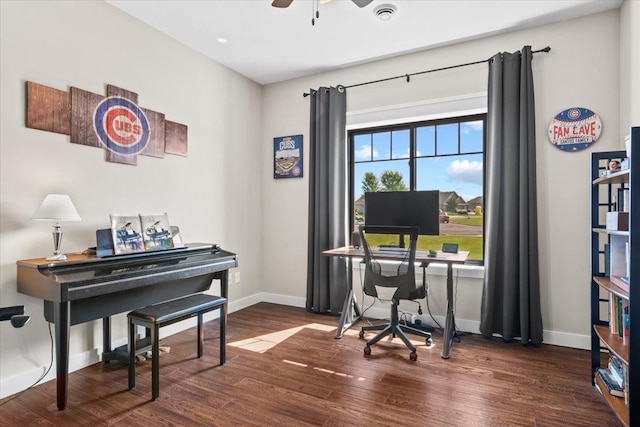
(403, 279)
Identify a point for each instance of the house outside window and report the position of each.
(444, 154)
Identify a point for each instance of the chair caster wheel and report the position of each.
(361, 334)
(413, 356)
(429, 342)
(367, 350)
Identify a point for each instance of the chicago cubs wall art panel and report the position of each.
(287, 157)
(575, 129)
(114, 122)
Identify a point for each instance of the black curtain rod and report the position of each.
(408, 76)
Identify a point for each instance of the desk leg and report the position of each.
(62, 321)
(450, 323)
(348, 318)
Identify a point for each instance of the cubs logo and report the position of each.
(574, 113)
(121, 126)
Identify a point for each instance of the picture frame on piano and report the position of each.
(126, 231)
(156, 232)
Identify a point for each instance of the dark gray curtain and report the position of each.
(327, 276)
(511, 294)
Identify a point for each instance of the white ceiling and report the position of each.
(267, 44)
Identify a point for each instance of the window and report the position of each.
(445, 155)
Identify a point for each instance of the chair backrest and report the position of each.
(403, 276)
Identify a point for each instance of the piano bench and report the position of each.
(156, 316)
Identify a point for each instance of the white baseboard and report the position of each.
(563, 339)
(23, 380)
(283, 299)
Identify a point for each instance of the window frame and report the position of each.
(412, 126)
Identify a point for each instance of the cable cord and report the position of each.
(457, 335)
(41, 376)
(429, 308)
(373, 301)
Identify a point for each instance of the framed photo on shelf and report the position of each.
(287, 157)
(127, 234)
(156, 232)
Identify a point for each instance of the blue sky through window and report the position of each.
(438, 167)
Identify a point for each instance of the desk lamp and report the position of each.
(57, 207)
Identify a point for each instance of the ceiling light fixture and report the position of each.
(221, 40)
(384, 12)
(315, 6)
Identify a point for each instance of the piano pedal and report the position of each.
(140, 358)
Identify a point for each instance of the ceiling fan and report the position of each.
(286, 3)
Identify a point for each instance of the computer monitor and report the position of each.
(405, 208)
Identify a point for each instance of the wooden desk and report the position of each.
(349, 318)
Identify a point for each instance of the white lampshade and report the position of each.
(57, 207)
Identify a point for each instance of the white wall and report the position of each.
(212, 194)
(581, 70)
(629, 66)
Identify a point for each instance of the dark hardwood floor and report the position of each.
(284, 367)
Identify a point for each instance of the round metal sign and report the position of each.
(575, 129)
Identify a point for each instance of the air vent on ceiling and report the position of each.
(384, 12)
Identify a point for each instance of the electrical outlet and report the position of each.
(237, 278)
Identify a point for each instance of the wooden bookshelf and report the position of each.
(623, 258)
(608, 285)
(612, 232)
(616, 345)
(620, 177)
(616, 403)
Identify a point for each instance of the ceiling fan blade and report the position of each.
(362, 3)
(281, 3)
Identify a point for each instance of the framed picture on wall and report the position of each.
(287, 157)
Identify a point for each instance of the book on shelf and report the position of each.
(619, 313)
(612, 387)
(614, 324)
(625, 370)
(625, 319)
(616, 370)
(619, 322)
(623, 200)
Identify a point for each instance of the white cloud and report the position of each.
(364, 153)
(465, 171)
(467, 127)
(401, 155)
